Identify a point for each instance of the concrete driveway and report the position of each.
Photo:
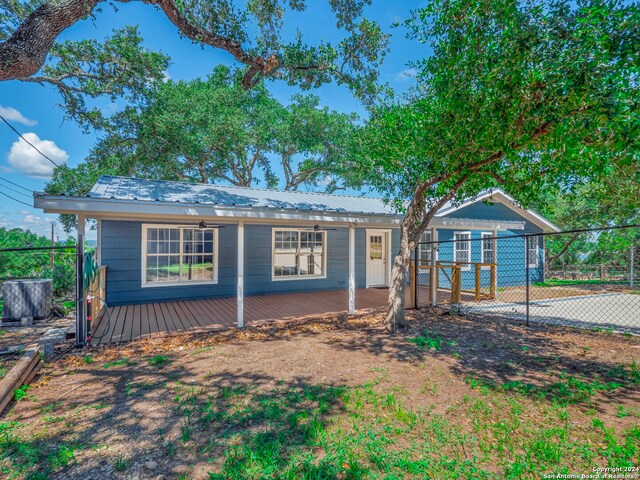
(619, 311)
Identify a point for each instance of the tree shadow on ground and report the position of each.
(225, 421)
(542, 361)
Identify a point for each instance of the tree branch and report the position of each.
(24, 52)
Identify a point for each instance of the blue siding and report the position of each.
(122, 250)
(511, 252)
(121, 253)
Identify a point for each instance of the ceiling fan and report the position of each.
(316, 228)
(202, 225)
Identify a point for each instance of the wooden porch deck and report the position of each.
(130, 322)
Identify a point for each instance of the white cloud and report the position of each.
(11, 113)
(407, 74)
(25, 159)
(36, 220)
(166, 76)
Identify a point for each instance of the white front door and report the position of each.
(377, 258)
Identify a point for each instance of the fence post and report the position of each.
(456, 284)
(416, 272)
(492, 288)
(477, 272)
(413, 298)
(526, 269)
(631, 266)
(81, 317)
(433, 273)
(437, 282)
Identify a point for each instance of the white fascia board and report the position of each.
(507, 200)
(139, 210)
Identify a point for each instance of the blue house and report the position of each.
(165, 241)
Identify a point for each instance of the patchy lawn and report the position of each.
(334, 399)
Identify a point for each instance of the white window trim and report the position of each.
(493, 241)
(297, 277)
(526, 250)
(431, 245)
(145, 284)
(455, 249)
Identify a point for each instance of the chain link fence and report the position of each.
(580, 278)
(37, 297)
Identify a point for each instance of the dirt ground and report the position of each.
(121, 410)
(14, 337)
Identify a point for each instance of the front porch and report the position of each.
(130, 322)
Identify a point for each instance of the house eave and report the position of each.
(144, 210)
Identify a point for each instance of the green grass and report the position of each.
(366, 432)
(119, 363)
(376, 430)
(159, 360)
(28, 458)
(21, 392)
(429, 341)
(120, 464)
(509, 431)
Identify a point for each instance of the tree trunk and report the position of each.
(395, 309)
(24, 52)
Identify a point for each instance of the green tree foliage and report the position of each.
(251, 32)
(214, 130)
(81, 71)
(523, 95)
(609, 200)
(36, 264)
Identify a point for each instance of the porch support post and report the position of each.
(352, 269)
(240, 292)
(81, 306)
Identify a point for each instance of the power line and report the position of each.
(13, 183)
(16, 200)
(16, 191)
(27, 141)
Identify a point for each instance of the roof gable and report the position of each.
(501, 197)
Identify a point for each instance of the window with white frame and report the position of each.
(488, 248)
(462, 248)
(425, 249)
(176, 255)
(298, 254)
(532, 251)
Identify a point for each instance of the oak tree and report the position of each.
(251, 32)
(518, 94)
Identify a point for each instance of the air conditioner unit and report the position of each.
(26, 299)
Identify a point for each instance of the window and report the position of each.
(298, 254)
(488, 247)
(175, 255)
(462, 248)
(532, 260)
(375, 247)
(424, 250)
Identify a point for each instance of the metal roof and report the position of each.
(127, 188)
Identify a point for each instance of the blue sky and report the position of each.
(33, 110)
